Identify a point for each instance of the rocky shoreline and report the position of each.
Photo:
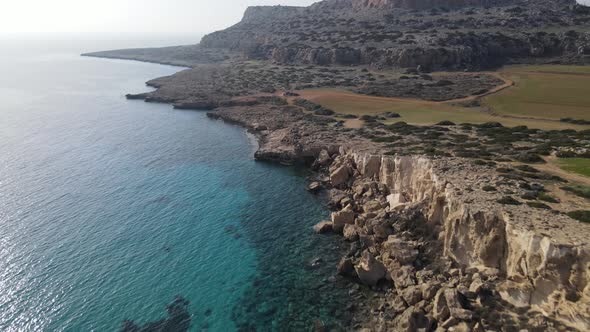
(452, 227)
(434, 247)
(428, 240)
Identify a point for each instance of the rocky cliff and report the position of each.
(545, 268)
(423, 4)
(438, 247)
(342, 32)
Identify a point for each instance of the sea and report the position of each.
(120, 215)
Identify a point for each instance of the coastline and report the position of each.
(164, 63)
(367, 188)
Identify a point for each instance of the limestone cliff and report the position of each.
(427, 225)
(544, 267)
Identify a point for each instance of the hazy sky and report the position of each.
(125, 16)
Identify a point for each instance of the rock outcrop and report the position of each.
(541, 268)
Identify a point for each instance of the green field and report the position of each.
(544, 92)
(421, 112)
(575, 165)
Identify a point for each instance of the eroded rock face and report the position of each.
(546, 272)
(421, 4)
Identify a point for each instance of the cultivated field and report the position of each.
(540, 97)
(545, 92)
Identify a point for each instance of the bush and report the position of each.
(527, 168)
(581, 191)
(547, 198)
(445, 123)
(508, 200)
(566, 154)
(580, 215)
(488, 188)
(529, 157)
(323, 111)
(538, 205)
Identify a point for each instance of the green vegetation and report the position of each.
(582, 191)
(547, 198)
(508, 200)
(544, 97)
(576, 165)
(313, 107)
(580, 215)
(538, 205)
(545, 92)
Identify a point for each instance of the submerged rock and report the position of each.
(323, 227)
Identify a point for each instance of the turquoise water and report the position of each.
(110, 209)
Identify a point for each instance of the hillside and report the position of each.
(436, 35)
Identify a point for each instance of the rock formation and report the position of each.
(439, 249)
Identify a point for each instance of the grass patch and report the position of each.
(415, 111)
(580, 215)
(546, 92)
(508, 200)
(538, 205)
(576, 165)
(582, 191)
(547, 198)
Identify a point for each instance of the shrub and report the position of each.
(538, 205)
(527, 168)
(547, 198)
(529, 157)
(578, 190)
(508, 200)
(580, 215)
(488, 188)
(445, 123)
(566, 154)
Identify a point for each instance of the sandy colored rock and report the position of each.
(369, 270)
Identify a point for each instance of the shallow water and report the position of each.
(110, 208)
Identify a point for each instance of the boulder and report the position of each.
(323, 227)
(448, 303)
(341, 218)
(323, 158)
(350, 232)
(372, 206)
(429, 290)
(396, 200)
(440, 311)
(397, 304)
(369, 269)
(346, 267)
(403, 276)
(412, 295)
(404, 252)
(411, 320)
(340, 175)
(314, 187)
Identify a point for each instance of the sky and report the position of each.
(30, 17)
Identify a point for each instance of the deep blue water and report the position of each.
(110, 208)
